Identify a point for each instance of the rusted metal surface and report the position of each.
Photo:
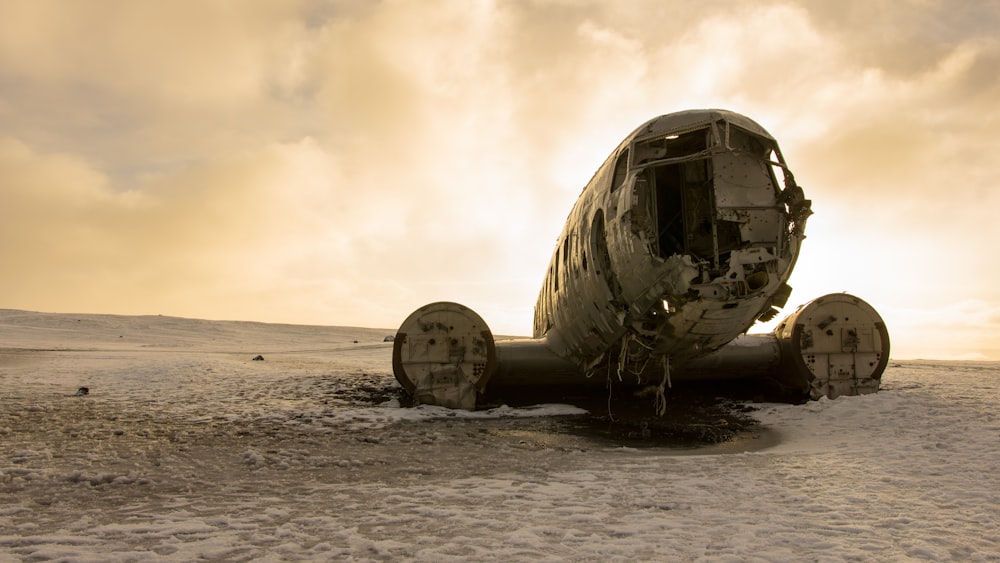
(835, 345)
(444, 354)
(683, 238)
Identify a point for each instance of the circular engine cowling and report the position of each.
(444, 354)
(834, 345)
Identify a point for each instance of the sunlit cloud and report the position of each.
(344, 163)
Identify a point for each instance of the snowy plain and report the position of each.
(187, 449)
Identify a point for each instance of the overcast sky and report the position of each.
(343, 163)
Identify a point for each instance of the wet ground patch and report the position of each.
(691, 419)
(693, 416)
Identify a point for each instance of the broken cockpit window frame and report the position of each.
(682, 144)
(740, 140)
(789, 194)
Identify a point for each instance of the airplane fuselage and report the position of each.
(684, 237)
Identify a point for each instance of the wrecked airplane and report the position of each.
(683, 239)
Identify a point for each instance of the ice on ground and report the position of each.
(186, 448)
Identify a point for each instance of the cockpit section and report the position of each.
(709, 192)
(684, 237)
(721, 219)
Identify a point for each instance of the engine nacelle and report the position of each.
(444, 354)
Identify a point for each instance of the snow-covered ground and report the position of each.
(187, 449)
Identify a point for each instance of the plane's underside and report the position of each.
(684, 237)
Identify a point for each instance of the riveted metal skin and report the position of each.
(444, 354)
(832, 346)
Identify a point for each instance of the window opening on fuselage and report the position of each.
(673, 145)
(778, 173)
(601, 256)
(555, 278)
(741, 140)
(621, 170)
(759, 149)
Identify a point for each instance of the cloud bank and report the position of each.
(347, 162)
